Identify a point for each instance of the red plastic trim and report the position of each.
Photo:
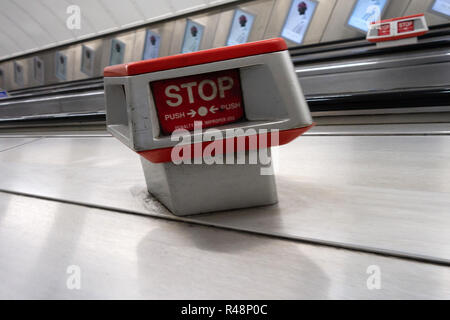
(164, 154)
(403, 36)
(400, 18)
(196, 58)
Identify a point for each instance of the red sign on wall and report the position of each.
(384, 30)
(405, 26)
(213, 98)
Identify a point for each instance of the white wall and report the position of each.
(31, 25)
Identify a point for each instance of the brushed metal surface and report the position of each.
(402, 129)
(37, 71)
(420, 129)
(23, 76)
(396, 9)
(126, 256)
(384, 194)
(336, 27)
(423, 6)
(7, 144)
(421, 68)
(48, 59)
(409, 116)
(394, 111)
(53, 106)
(395, 63)
(2, 76)
(49, 62)
(378, 79)
(8, 75)
(192, 189)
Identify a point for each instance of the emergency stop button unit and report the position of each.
(397, 31)
(204, 122)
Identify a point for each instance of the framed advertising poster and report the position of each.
(61, 66)
(151, 45)
(240, 28)
(441, 8)
(192, 36)
(117, 52)
(365, 12)
(18, 74)
(87, 60)
(2, 79)
(298, 20)
(38, 70)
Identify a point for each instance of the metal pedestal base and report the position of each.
(188, 189)
(396, 43)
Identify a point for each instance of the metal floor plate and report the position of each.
(133, 257)
(10, 143)
(380, 194)
(423, 129)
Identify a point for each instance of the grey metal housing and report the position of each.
(272, 98)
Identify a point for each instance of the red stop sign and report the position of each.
(405, 26)
(384, 30)
(213, 98)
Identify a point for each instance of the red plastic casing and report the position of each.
(400, 36)
(196, 58)
(203, 57)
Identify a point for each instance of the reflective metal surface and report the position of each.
(332, 76)
(58, 105)
(419, 129)
(10, 143)
(369, 193)
(423, 6)
(410, 69)
(126, 256)
(329, 24)
(3, 75)
(17, 74)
